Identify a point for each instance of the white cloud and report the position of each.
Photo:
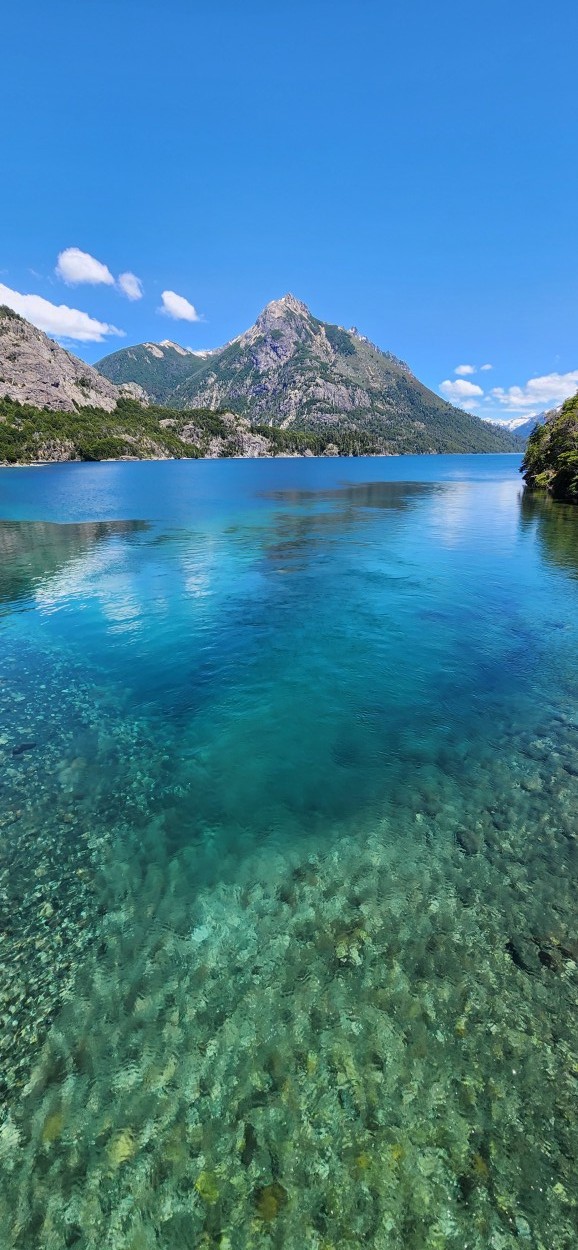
(462, 370)
(57, 319)
(177, 307)
(460, 392)
(130, 285)
(76, 267)
(538, 393)
(485, 368)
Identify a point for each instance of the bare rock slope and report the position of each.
(36, 370)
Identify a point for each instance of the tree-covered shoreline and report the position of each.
(30, 435)
(551, 459)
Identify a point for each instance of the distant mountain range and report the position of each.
(522, 427)
(292, 371)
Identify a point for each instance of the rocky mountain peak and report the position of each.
(287, 303)
(281, 311)
(279, 329)
(292, 369)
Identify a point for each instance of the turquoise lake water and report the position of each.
(288, 856)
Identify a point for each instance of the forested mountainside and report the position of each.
(293, 371)
(291, 385)
(30, 435)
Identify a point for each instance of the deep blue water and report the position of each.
(219, 673)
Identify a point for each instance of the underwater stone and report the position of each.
(269, 1201)
(549, 957)
(349, 945)
(52, 1127)
(206, 1186)
(532, 784)
(122, 1147)
(250, 1145)
(523, 954)
(469, 841)
(22, 747)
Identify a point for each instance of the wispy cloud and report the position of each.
(177, 307)
(460, 392)
(57, 319)
(76, 267)
(485, 368)
(463, 370)
(538, 393)
(130, 285)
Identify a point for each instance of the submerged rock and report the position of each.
(250, 1145)
(122, 1147)
(207, 1187)
(523, 954)
(270, 1200)
(470, 841)
(22, 747)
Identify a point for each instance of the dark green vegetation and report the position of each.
(551, 459)
(8, 314)
(159, 368)
(291, 370)
(31, 435)
(340, 340)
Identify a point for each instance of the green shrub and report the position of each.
(551, 459)
(340, 340)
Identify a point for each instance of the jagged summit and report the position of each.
(287, 303)
(292, 369)
(278, 313)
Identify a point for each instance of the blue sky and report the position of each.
(409, 167)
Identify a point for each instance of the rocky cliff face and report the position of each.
(35, 370)
(290, 367)
(292, 370)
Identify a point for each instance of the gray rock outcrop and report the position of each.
(35, 370)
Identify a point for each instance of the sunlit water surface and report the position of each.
(288, 853)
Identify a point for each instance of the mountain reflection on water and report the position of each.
(555, 526)
(33, 551)
(358, 494)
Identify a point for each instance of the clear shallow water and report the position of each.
(288, 856)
